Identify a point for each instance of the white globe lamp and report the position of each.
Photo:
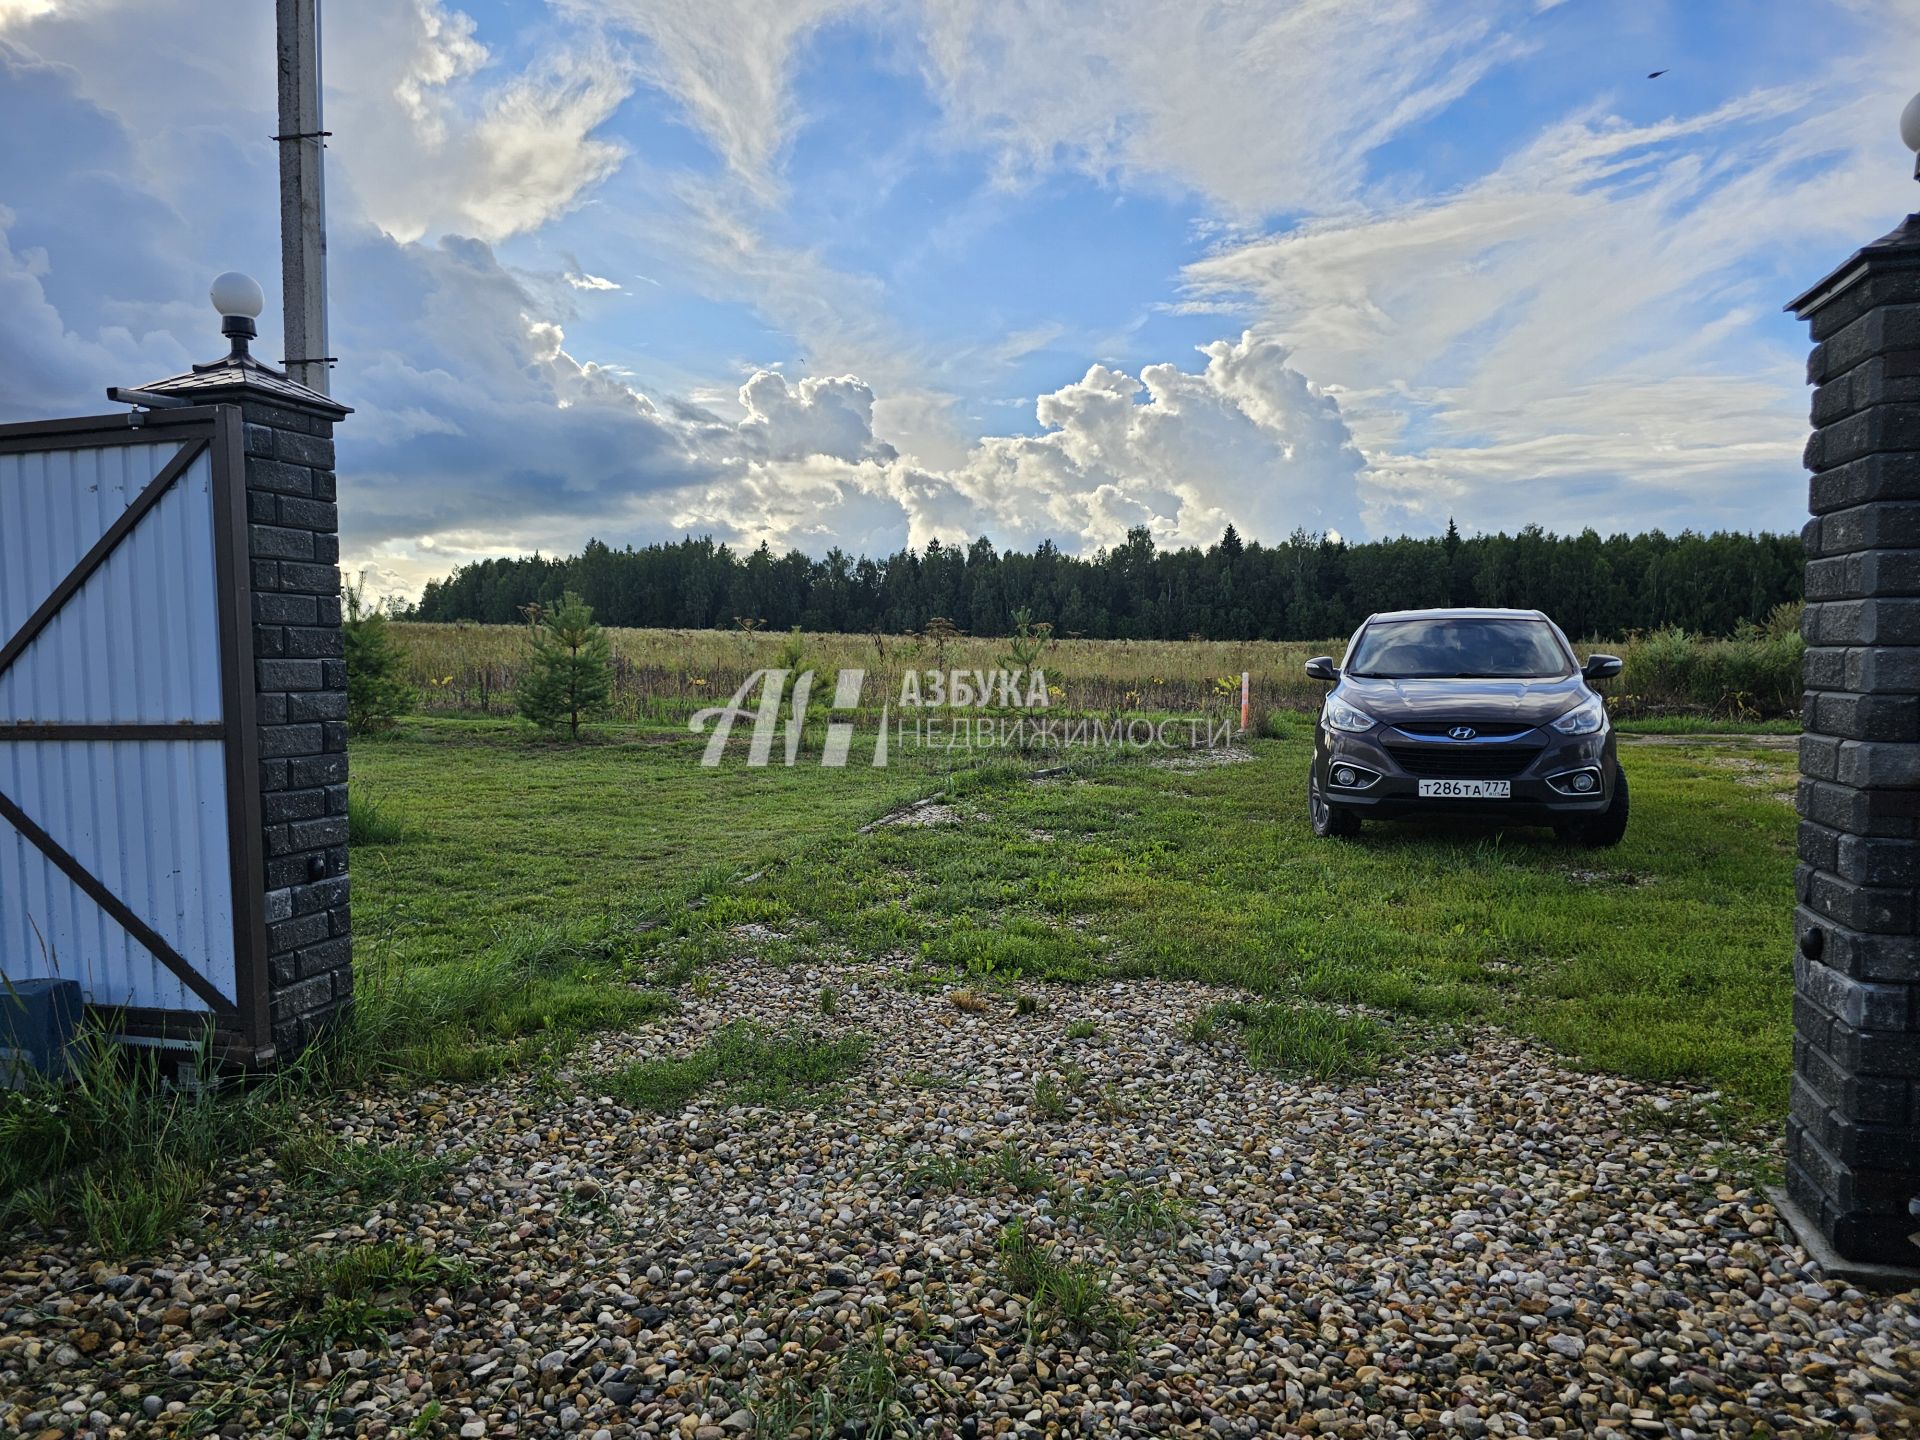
(239, 299)
(237, 294)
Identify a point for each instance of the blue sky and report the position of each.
(838, 272)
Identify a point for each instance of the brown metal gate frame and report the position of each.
(241, 1027)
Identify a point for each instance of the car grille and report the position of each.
(1482, 729)
(1464, 760)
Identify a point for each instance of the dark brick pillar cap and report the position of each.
(1898, 249)
(237, 381)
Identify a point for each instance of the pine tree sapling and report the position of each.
(376, 695)
(792, 658)
(793, 651)
(570, 675)
(1029, 642)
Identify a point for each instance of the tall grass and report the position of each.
(121, 1152)
(370, 821)
(532, 990)
(664, 676)
(1755, 675)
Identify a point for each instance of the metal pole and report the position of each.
(303, 203)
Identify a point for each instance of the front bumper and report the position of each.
(1533, 797)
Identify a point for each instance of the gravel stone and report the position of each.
(1474, 1241)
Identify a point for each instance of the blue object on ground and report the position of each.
(38, 1022)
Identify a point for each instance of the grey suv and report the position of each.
(1466, 712)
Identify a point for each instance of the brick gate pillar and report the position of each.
(1853, 1134)
(300, 675)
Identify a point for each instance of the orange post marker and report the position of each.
(1243, 700)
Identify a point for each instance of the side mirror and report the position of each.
(1321, 667)
(1601, 667)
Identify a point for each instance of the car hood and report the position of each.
(1528, 702)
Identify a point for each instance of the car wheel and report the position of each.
(1609, 826)
(1328, 820)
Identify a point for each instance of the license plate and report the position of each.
(1466, 789)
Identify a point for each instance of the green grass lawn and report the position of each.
(1705, 725)
(511, 893)
(1667, 958)
(502, 827)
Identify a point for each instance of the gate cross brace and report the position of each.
(123, 525)
(97, 891)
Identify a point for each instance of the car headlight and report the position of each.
(1585, 718)
(1341, 716)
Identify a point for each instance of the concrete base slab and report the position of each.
(1861, 1274)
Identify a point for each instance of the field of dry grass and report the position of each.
(664, 675)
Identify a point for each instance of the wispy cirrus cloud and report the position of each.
(727, 63)
(1588, 329)
(1256, 108)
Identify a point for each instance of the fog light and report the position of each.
(1584, 781)
(1345, 775)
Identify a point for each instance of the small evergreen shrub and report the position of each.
(376, 693)
(570, 677)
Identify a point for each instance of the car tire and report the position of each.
(1607, 828)
(1329, 821)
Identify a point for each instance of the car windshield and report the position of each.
(1477, 648)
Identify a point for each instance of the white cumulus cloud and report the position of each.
(1246, 439)
(435, 141)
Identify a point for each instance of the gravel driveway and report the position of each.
(1474, 1241)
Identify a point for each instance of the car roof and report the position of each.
(1464, 612)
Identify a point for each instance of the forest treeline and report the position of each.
(1305, 587)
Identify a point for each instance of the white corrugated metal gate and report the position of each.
(129, 812)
